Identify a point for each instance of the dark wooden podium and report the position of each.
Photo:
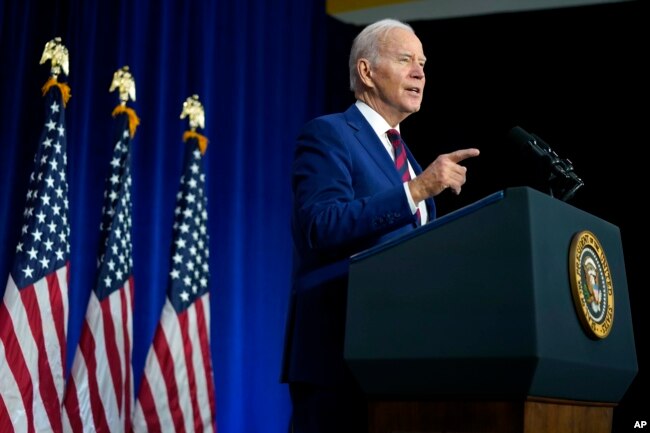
(469, 323)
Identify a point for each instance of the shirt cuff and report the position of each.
(409, 197)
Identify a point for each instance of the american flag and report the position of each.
(99, 393)
(177, 389)
(34, 310)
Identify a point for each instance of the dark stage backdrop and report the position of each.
(256, 66)
(577, 78)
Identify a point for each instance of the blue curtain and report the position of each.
(253, 64)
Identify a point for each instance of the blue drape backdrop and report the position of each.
(253, 64)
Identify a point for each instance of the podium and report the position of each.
(472, 324)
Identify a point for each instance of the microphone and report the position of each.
(561, 181)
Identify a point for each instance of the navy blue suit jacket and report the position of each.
(347, 196)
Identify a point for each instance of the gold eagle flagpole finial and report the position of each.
(124, 82)
(193, 109)
(57, 53)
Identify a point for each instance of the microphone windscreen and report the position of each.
(519, 135)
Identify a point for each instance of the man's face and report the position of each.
(398, 76)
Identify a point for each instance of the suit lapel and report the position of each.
(369, 140)
(371, 143)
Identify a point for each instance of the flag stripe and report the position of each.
(5, 421)
(169, 371)
(203, 412)
(109, 338)
(60, 318)
(203, 314)
(203, 377)
(71, 415)
(126, 297)
(72, 409)
(152, 420)
(157, 412)
(173, 333)
(87, 347)
(7, 383)
(190, 385)
(16, 362)
(46, 385)
(53, 313)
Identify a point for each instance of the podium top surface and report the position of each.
(445, 219)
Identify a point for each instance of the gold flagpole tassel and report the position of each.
(57, 54)
(123, 81)
(193, 109)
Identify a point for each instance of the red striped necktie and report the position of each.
(401, 162)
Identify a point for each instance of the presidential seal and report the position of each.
(591, 285)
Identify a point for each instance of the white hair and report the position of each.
(366, 45)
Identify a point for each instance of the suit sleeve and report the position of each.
(336, 204)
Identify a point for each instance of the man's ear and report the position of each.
(364, 70)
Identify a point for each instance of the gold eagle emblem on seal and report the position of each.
(591, 285)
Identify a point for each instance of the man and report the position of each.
(349, 195)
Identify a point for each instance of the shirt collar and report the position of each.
(377, 123)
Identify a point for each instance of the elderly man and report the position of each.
(355, 184)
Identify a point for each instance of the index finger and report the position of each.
(462, 154)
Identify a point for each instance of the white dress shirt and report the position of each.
(380, 126)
